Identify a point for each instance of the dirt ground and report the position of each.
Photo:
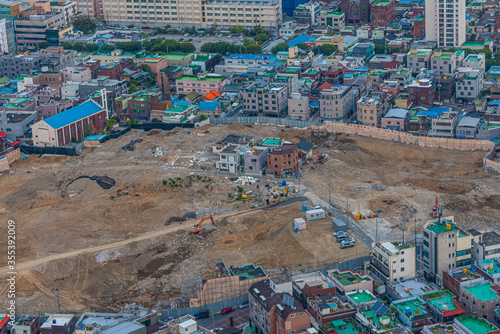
(153, 193)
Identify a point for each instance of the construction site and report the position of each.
(112, 227)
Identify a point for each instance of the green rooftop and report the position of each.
(483, 291)
(383, 322)
(175, 110)
(248, 272)
(441, 300)
(202, 58)
(441, 227)
(415, 304)
(381, 3)
(473, 58)
(491, 125)
(343, 326)
(476, 325)
(348, 278)
(475, 44)
(361, 296)
(442, 56)
(271, 141)
(335, 14)
(211, 78)
(178, 56)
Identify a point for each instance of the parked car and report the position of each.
(341, 238)
(217, 329)
(229, 36)
(170, 319)
(190, 40)
(227, 310)
(346, 245)
(336, 234)
(208, 35)
(186, 35)
(244, 304)
(349, 239)
(193, 35)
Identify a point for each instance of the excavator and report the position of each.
(437, 210)
(320, 157)
(199, 227)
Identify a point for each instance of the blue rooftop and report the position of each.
(433, 112)
(73, 114)
(209, 105)
(301, 39)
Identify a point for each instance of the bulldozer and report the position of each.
(319, 158)
(199, 226)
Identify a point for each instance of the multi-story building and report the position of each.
(88, 7)
(117, 87)
(68, 8)
(393, 261)
(356, 11)
(481, 298)
(59, 323)
(477, 61)
(27, 324)
(445, 87)
(336, 103)
(336, 20)
(13, 66)
(16, 124)
(382, 13)
(326, 308)
(371, 108)
(443, 306)
(77, 74)
(33, 29)
(312, 284)
(9, 10)
(298, 107)
(52, 107)
(467, 128)
(270, 315)
(416, 316)
(422, 92)
(69, 125)
(349, 281)
(7, 36)
(445, 22)
(197, 13)
(55, 58)
(392, 87)
(265, 99)
(486, 246)
(307, 13)
(201, 83)
(445, 247)
(470, 84)
(453, 279)
(443, 62)
(255, 160)
(283, 160)
(419, 59)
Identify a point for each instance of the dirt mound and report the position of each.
(86, 189)
(237, 127)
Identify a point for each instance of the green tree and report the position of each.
(327, 49)
(187, 47)
(88, 130)
(379, 49)
(237, 29)
(129, 46)
(67, 46)
(247, 41)
(84, 24)
(253, 49)
(132, 88)
(78, 47)
(497, 56)
(92, 47)
(303, 46)
(279, 47)
(203, 117)
(192, 31)
(109, 123)
(260, 38)
(43, 45)
(132, 121)
(107, 48)
(213, 28)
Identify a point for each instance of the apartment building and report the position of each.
(77, 74)
(477, 61)
(382, 12)
(444, 125)
(393, 261)
(443, 62)
(9, 10)
(370, 109)
(467, 128)
(418, 59)
(201, 83)
(445, 87)
(312, 284)
(298, 107)
(7, 36)
(307, 13)
(117, 87)
(33, 29)
(470, 84)
(197, 13)
(481, 298)
(13, 66)
(445, 22)
(265, 99)
(283, 160)
(270, 315)
(392, 87)
(336, 20)
(27, 324)
(55, 58)
(416, 316)
(336, 103)
(445, 247)
(422, 92)
(486, 246)
(327, 308)
(68, 8)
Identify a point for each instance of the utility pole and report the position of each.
(329, 193)
(347, 200)
(136, 281)
(376, 230)
(58, 301)
(281, 260)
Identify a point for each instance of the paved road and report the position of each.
(199, 41)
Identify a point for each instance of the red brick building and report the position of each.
(382, 12)
(356, 11)
(69, 125)
(327, 308)
(283, 161)
(94, 65)
(422, 93)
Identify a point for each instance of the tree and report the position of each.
(187, 47)
(107, 48)
(237, 29)
(497, 55)
(132, 88)
(67, 46)
(132, 121)
(247, 41)
(92, 47)
(327, 49)
(203, 117)
(279, 47)
(43, 45)
(212, 29)
(129, 46)
(78, 47)
(253, 49)
(88, 130)
(260, 38)
(84, 24)
(303, 46)
(109, 123)
(379, 49)
(192, 31)
(472, 37)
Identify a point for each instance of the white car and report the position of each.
(186, 35)
(229, 36)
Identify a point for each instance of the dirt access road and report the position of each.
(28, 265)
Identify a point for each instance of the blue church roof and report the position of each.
(73, 114)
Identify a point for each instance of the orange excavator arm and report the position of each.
(199, 227)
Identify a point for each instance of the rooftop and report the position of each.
(271, 141)
(57, 320)
(441, 227)
(443, 301)
(484, 291)
(73, 114)
(343, 326)
(123, 328)
(212, 78)
(361, 296)
(490, 238)
(348, 277)
(248, 272)
(411, 288)
(476, 325)
(311, 279)
(414, 305)
(380, 322)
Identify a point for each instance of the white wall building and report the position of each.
(445, 22)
